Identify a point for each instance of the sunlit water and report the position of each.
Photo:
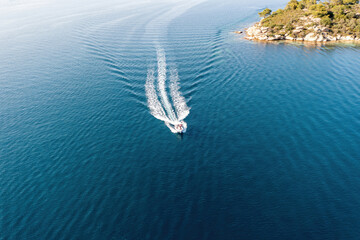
(272, 149)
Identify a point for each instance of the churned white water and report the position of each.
(158, 99)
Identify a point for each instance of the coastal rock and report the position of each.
(311, 37)
(317, 29)
(302, 24)
(264, 29)
(252, 31)
(256, 31)
(315, 32)
(316, 20)
(349, 38)
(262, 38)
(331, 38)
(279, 37)
(324, 29)
(320, 38)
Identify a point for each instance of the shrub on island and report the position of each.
(309, 19)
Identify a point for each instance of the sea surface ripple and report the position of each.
(272, 149)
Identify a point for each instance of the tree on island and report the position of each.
(266, 12)
(350, 2)
(336, 2)
(300, 18)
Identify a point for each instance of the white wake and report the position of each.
(154, 104)
(157, 98)
(182, 110)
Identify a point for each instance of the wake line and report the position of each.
(154, 104)
(182, 110)
(158, 100)
(161, 84)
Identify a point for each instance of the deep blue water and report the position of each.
(272, 149)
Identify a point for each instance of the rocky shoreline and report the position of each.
(310, 30)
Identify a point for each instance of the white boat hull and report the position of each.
(180, 127)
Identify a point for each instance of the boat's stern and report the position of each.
(181, 127)
(178, 127)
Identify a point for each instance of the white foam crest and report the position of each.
(182, 110)
(154, 104)
(161, 60)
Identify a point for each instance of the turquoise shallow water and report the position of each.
(273, 143)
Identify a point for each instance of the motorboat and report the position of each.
(177, 127)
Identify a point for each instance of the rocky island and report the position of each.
(309, 20)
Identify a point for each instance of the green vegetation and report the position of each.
(265, 13)
(337, 16)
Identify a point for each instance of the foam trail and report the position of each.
(154, 104)
(162, 109)
(161, 84)
(182, 110)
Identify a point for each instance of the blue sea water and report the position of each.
(272, 149)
